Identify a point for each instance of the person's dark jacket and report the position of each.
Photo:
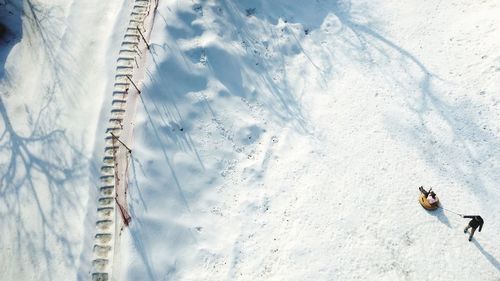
(475, 222)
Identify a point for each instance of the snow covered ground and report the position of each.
(55, 67)
(285, 140)
(274, 140)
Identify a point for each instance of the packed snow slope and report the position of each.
(275, 140)
(286, 140)
(56, 61)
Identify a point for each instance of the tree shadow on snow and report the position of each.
(466, 158)
(40, 166)
(258, 76)
(34, 176)
(180, 77)
(164, 133)
(261, 75)
(41, 25)
(473, 144)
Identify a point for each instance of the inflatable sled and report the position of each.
(428, 206)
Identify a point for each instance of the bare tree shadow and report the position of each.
(266, 72)
(135, 185)
(41, 165)
(35, 176)
(41, 24)
(473, 144)
(37, 168)
(168, 161)
(487, 255)
(247, 76)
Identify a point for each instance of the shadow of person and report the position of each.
(441, 216)
(487, 255)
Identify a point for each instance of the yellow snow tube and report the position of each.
(423, 201)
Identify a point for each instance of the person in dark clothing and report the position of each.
(477, 221)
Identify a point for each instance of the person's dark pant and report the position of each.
(471, 232)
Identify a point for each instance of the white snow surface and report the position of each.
(273, 140)
(286, 140)
(55, 72)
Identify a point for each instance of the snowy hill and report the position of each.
(271, 140)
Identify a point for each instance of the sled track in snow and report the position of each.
(114, 167)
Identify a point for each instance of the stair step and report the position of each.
(118, 101)
(125, 62)
(124, 67)
(132, 30)
(105, 212)
(115, 121)
(103, 238)
(107, 190)
(138, 11)
(108, 181)
(126, 55)
(104, 224)
(129, 43)
(100, 264)
(120, 92)
(124, 70)
(108, 159)
(137, 17)
(101, 251)
(107, 169)
(112, 129)
(100, 276)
